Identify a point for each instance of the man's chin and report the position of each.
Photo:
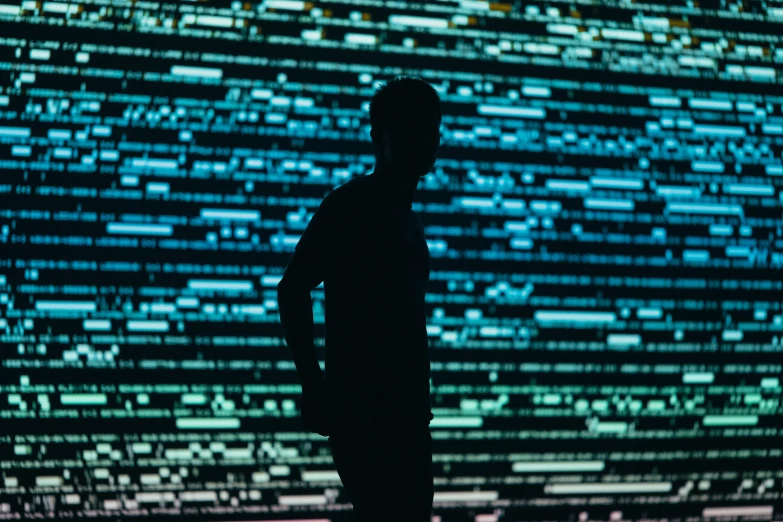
(420, 171)
(413, 171)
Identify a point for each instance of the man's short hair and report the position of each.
(403, 105)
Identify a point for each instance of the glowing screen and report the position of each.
(604, 223)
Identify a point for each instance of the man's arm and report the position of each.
(306, 270)
(296, 317)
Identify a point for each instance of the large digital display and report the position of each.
(604, 224)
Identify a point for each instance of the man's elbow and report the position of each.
(283, 287)
(288, 287)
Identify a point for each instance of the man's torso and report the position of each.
(377, 360)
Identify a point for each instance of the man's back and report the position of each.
(377, 360)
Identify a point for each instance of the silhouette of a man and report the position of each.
(367, 246)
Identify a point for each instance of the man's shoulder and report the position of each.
(350, 194)
(353, 185)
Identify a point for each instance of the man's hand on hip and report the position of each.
(316, 412)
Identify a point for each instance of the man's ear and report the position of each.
(386, 143)
(381, 142)
(377, 143)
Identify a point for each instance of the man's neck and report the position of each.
(398, 187)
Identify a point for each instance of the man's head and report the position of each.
(405, 119)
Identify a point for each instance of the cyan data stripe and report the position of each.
(707, 166)
(154, 163)
(518, 112)
(611, 427)
(698, 378)
(15, 132)
(730, 420)
(738, 251)
(665, 101)
(721, 230)
(552, 316)
(608, 488)
(147, 326)
(691, 192)
(160, 188)
(187, 302)
(208, 424)
(197, 72)
(71, 306)
(701, 103)
(697, 208)
(719, 130)
(97, 325)
(203, 284)
(230, 215)
(194, 398)
(456, 422)
(83, 398)
(633, 184)
(623, 339)
(751, 190)
(696, 255)
(579, 186)
(537, 92)
(609, 204)
(557, 467)
(145, 230)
